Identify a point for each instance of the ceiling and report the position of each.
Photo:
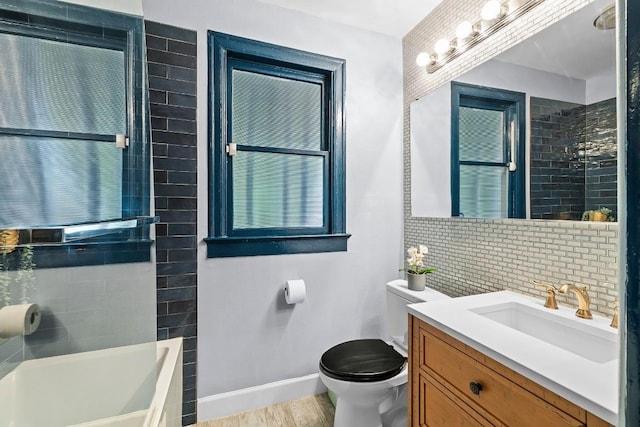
(392, 17)
(573, 47)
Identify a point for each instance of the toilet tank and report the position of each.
(398, 297)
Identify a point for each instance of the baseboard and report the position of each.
(247, 399)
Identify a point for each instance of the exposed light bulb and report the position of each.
(442, 46)
(513, 5)
(423, 59)
(464, 30)
(491, 10)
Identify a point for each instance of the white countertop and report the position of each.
(588, 384)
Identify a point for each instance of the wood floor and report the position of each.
(313, 411)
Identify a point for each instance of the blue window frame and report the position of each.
(276, 151)
(487, 152)
(75, 198)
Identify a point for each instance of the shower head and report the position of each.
(606, 20)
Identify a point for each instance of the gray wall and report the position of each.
(247, 336)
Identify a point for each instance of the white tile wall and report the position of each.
(474, 255)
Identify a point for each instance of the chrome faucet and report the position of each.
(583, 299)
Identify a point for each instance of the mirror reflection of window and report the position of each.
(483, 181)
(487, 157)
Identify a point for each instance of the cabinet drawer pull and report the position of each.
(475, 387)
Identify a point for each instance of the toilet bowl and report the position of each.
(369, 376)
(366, 376)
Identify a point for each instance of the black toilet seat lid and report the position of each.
(366, 360)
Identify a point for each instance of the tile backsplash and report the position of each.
(482, 255)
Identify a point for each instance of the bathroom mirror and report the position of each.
(466, 155)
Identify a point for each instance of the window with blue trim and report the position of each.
(75, 80)
(487, 152)
(276, 152)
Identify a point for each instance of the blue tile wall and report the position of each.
(171, 60)
(602, 154)
(573, 158)
(557, 159)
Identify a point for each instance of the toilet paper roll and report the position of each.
(21, 319)
(295, 291)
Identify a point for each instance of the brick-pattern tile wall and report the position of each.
(481, 255)
(475, 256)
(171, 57)
(557, 147)
(602, 153)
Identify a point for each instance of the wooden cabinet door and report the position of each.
(441, 369)
(500, 399)
(440, 409)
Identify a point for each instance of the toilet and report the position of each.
(369, 376)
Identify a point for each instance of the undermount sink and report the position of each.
(573, 335)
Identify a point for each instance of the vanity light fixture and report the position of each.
(442, 48)
(423, 59)
(494, 15)
(491, 10)
(513, 5)
(464, 30)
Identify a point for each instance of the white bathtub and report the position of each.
(113, 387)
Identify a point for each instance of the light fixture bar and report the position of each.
(479, 36)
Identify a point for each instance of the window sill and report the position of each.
(223, 247)
(85, 254)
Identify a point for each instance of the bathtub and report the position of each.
(116, 387)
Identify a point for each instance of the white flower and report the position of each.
(416, 260)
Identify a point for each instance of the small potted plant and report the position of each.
(416, 271)
(602, 214)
